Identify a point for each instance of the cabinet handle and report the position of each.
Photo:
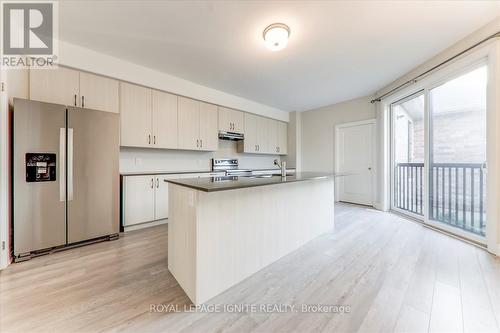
(197, 143)
(258, 147)
(83, 101)
(154, 139)
(157, 182)
(152, 183)
(201, 143)
(149, 139)
(75, 99)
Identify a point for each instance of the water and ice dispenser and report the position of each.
(40, 167)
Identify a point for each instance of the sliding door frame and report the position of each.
(489, 55)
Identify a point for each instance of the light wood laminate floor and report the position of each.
(394, 274)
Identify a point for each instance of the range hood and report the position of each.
(223, 135)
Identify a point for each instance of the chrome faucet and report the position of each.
(282, 166)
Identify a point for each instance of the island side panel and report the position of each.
(241, 231)
(182, 237)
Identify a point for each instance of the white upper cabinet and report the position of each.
(272, 128)
(256, 135)
(282, 138)
(189, 124)
(209, 136)
(59, 86)
(231, 120)
(263, 136)
(250, 143)
(98, 92)
(155, 119)
(277, 132)
(135, 116)
(71, 87)
(197, 125)
(164, 122)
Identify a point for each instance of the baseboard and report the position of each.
(144, 225)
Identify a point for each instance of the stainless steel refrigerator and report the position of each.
(65, 176)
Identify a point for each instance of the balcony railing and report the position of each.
(456, 197)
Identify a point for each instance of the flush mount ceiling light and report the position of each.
(276, 36)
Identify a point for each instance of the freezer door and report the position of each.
(38, 191)
(93, 174)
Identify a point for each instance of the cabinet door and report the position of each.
(139, 199)
(161, 198)
(250, 143)
(135, 116)
(263, 125)
(231, 120)
(238, 121)
(189, 123)
(164, 120)
(273, 136)
(59, 86)
(98, 92)
(283, 137)
(209, 135)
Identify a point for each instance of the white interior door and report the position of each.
(355, 161)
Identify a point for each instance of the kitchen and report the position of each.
(177, 175)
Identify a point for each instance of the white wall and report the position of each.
(145, 160)
(318, 131)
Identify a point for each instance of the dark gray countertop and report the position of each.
(210, 184)
(147, 173)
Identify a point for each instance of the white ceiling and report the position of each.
(338, 50)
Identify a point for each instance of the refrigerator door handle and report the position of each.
(70, 164)
(62, 164)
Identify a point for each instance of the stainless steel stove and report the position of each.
(229, 166)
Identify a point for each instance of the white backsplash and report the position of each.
(146, 160)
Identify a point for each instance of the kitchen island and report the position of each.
(221, 230)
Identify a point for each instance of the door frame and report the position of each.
(338, 127)
(490, 55)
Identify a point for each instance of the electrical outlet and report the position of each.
(138, 161)
(3, 245)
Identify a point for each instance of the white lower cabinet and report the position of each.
(138, 199)
(145, 197)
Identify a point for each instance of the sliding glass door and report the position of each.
(457, 142)
(439, 154)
